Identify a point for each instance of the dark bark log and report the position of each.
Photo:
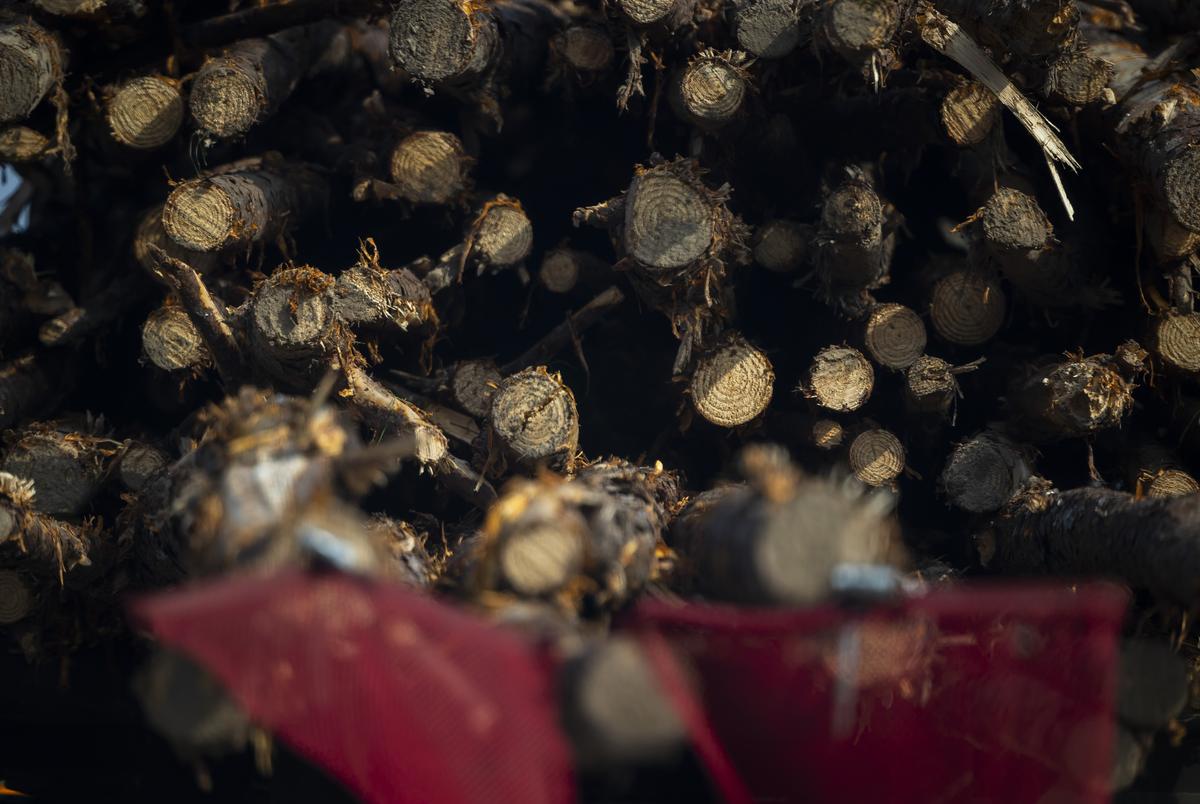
(1151, 544)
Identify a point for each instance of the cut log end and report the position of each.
(615, 711)
(146, 112)
(1176, 340)
(1014, 221)
(171, 341)
(770, 29)
(668, 223)
(587, 48)
(19, 144)
(966, 308)
(1152, 684)
(1078, 77)
(200, 216)
(541, 558)
(859, 26)
(782, 246)
(225, 101)
(983, 474)
(1170, 483)
(1180, 187)
(710, 91)
(16, 598)
(733, 385)
(430, 167)
(969, 113)
(876, 457)
(66, 473)
(646, 12)
(30, 63)
(504, 236)
(432, 40)
(560, 271)
(895, 336)
(473, 385)
(292, 312)
(852, 213)
(140, 464)
(827, 434)
(840, 379)
(929, 385)
(533, 416)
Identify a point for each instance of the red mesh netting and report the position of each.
(974, 695)
(399, 696)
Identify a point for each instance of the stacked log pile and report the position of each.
(547, 306)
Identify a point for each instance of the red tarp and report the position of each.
(972, 694)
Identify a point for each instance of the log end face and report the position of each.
(966, 308)
(145, 112)
(432, 40)
(1014, 221)
(200, 216)
(769, 29)
(877, 457)
(560, 271)
(25, 76)
(504, 236)
(1181, 187)
(586, 48)
(827, 434)
(474, 384)
(983, 474)
(733, 385)
(782, 246)
(225, 101)
(853, 212)
(1176, 340)
(710, 91)
(858, 26)
(668, 224)
(430, 167)
(646, 12)
(895, 336)
(171, 341)
(294, 311)
(16, 597)
(969, 113)
(541, 558)
(534, 417)
(840, 379)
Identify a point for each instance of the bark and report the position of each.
(854, 244)
(246, 202)
(1054, 399)
(66, 469)
(777, 539)
(1151, 544)
(249, 81)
